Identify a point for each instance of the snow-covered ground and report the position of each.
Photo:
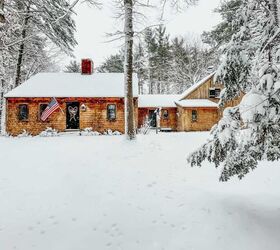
(102, 192)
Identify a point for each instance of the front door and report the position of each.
(152, 118)
(72, 115)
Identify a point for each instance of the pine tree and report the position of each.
(162, 67)
(248, 133)
(113, 64)
(150, 55)
(140, 68)
(223, 32)
(73, 67)
(2, 15)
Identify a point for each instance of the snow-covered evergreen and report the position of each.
(248, 133)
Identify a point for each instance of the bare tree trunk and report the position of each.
(275, 11)
(2, 16)
(2, 21)
(2, 109)
(21, 49)
(128, 71)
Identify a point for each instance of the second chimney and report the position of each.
(87, 67)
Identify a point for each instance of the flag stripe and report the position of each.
(52, 106)
(48, 112)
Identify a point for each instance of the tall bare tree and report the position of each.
(128, 71)
(129, 12)
(2, 16)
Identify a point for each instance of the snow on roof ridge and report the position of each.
(196, 85)
(196, 103)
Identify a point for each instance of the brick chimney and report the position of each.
(87, 66)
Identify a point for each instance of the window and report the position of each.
(111, 112)
(23, 112)
(165, 114)
(214, 93)
(217, 93)
(42, 108)
(194, 115)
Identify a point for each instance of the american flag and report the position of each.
(52, 106)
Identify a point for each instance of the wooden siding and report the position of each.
(171, 122)
(202, 92)
(95, 115)
(206, 119)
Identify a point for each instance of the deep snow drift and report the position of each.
(102, 192)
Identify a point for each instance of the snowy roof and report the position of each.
(157, 101)
(195, 86)
(74, 85)
(197, 103)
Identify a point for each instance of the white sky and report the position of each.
(94, 24)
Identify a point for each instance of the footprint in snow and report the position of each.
(42, 232)
(74, 219)
(109, 244)
(151, 184)
(51, 217)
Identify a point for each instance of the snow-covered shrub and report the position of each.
(49, 132)
(110, 132)
(89, 132)
(117, 133)
(24, 134)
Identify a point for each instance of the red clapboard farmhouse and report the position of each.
(96, 100)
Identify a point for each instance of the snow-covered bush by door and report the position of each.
(89, 132)
(110, 132)
(49, 132)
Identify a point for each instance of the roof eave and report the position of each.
(185, 96)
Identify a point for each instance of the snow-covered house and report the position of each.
(86, 100)
(96, 100)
